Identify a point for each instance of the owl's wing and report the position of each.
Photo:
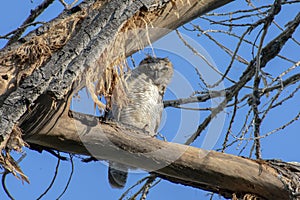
(158, 116)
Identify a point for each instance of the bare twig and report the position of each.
(257, 120)
(8, 35)
(286, 72)
(289, 81)
(70, 177)
(276, 24)
(148, 185)
(33, 15)
(68, 6)
(286, 98)
(227, 50)
(6, 172)
(52, 181)
(275, 9)
(143, 191)
(4, 185)
(213, 22)
(57, 155)
(240, 59)
(202, 57)
(193, 99)
(194, 109)
(243, 148)
(242, 17)
(239, 11)
(273, 99)
(245, 127)
(230, 124)
(270, 132)
(281, 127)
(215, 94)
(133, 186)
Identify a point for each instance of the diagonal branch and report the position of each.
(33, 15)
(208, 170)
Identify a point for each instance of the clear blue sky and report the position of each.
(90, 180)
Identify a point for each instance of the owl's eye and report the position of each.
(165, 69)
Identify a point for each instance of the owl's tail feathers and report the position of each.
(117, 175)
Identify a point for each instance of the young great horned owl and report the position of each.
(146, 85)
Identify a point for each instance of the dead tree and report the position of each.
(42, 71)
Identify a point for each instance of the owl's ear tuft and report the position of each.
(166, 59)
(148, 59)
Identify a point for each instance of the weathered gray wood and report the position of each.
(218, 172)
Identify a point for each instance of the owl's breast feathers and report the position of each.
(145, 86)
(145, 104)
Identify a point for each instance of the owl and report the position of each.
(146, 85)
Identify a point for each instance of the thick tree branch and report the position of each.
(221, 173)
(214, 94)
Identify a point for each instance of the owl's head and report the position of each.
(159, 70)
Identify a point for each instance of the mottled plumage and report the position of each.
(146, 85)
